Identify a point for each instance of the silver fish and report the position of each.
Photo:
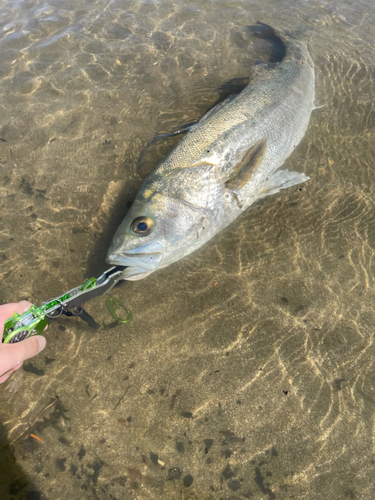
(229, 159)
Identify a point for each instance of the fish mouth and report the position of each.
(138, 265)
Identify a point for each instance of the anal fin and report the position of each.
(281, 179)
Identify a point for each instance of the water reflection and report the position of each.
(248, 364)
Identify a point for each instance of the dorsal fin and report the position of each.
(245, 169)
(216, 108)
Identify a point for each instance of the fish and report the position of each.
(224, 163)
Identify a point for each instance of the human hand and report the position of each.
(13, 355)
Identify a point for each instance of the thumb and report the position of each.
(11, 354)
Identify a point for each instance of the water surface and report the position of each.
(248, 369)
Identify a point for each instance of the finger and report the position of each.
(6, 375)
(11, 354)
(7, 310)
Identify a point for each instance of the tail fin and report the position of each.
(285, 45)
(266, 32)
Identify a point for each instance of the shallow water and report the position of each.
(248, 369)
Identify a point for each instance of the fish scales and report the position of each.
(229, 159)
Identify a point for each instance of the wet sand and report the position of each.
(247, 371)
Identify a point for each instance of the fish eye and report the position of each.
(142, 225)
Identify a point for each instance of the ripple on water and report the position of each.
(248, 364)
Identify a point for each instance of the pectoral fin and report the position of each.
(245, 169)
(281, 179)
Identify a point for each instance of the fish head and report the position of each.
(157, 230)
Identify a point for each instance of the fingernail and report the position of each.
(41, 342)
(26, 305)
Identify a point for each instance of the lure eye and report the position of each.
(142, 225)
